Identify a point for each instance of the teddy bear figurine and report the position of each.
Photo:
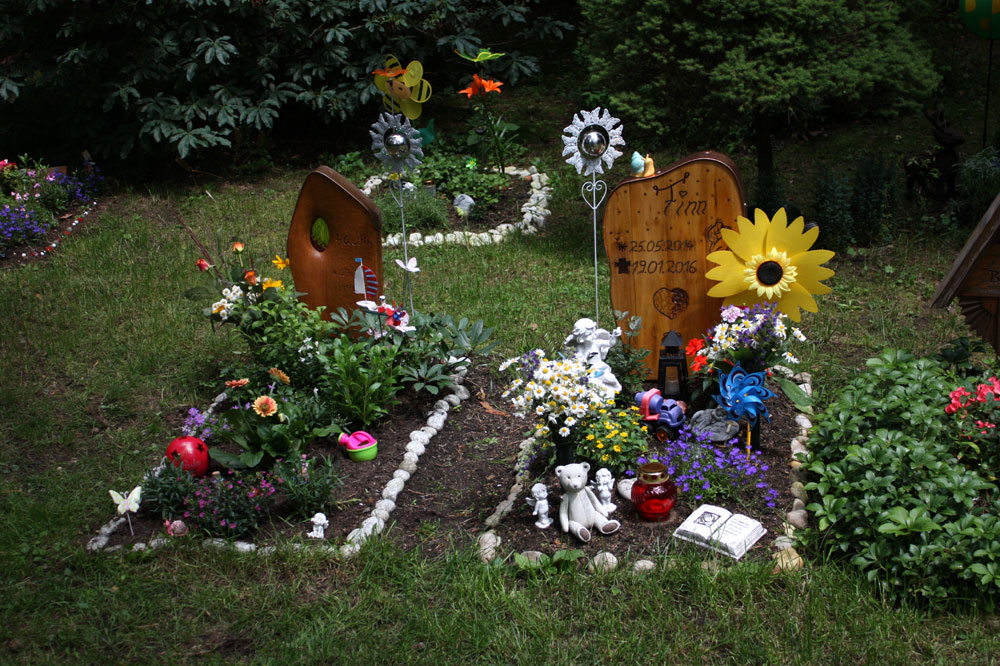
(580, 511)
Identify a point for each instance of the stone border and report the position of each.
(786, 558)
(535, 214)
(374, 524)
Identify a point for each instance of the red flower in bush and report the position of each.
(693, 346)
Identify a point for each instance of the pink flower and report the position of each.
(202, 264)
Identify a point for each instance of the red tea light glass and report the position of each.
(654, 494)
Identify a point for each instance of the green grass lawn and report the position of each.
(101, 356)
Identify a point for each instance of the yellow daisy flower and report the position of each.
(770, 261)
(617, 448)
(269, 283)
(281, 264)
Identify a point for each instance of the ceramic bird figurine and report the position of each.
(650, 168)
(637, 164)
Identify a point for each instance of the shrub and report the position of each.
(424, 211)
(165, 489)
(191, 75)
(978, 184)
(873, 199)
(892, 496)
(831, 204)
(460, 174)
(229, 505)
(612, 438)
(309, 485)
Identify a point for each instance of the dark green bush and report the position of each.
(978, 184)
(832, 210)
(873, 199)
(892, 497)
(189, 74)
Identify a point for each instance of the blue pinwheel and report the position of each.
(742, 394)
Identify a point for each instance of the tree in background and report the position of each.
(118, 77)
(698, 73)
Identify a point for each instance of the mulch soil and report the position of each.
(468, 469)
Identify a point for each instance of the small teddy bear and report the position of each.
(580, 511)
(540, 501)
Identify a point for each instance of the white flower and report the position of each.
(789, 358)
(564, 432)
(798, 335)
(571, 422)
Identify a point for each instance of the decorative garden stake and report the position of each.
(366, 284)
(742, 394)
(398, 145)
(770, 260)
(402, 89)
(673, 368)
(590, 142)
(128, 504)
(539, 501)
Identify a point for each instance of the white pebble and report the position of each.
(385, 505)
(642, 566)
(603, 561)
(244, 547)
(401, 474)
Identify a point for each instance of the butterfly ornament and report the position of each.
(127, 504)
(403, 89)
(410, 266)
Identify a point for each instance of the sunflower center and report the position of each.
(769, 273)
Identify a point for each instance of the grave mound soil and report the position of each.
(468, 469)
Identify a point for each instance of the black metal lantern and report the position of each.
(673, 369)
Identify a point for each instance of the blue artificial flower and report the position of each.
(742, 394)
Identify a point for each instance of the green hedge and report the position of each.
(115, 77)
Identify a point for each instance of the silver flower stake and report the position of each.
(398, 145)
(590, 142)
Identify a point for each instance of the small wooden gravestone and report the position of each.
(657, 232)
(334, 223)
(974, 278)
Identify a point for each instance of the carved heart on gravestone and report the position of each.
(657, 231)
(334, 223)
(670, 302)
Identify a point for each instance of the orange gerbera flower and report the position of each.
(280, 375)
(481, 86)
(265, 406)
(237, 383)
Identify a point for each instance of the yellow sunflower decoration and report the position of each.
(403, 90)
(770, 261)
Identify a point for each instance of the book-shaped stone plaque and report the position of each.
(657, 232)
(333, 225)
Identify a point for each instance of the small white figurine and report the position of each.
(320, 523)
(590, 344)
(540, 501)
(580, 511)
(604, 485)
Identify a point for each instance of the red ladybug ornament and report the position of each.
(189, 453)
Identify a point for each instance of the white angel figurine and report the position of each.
(540, 501)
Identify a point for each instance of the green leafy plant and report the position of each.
(424, 211)
(230, 504)
(612, 438)
(628, 361)
(360, 380)
(309, 484)
(218, 74)
(455, 174)
(561, 561)
(891, 495)
(165, 489)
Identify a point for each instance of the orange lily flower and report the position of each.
(391, 72)
(481, 86)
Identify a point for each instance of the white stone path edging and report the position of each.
(534, 215)
(370, 526)
(786, 558)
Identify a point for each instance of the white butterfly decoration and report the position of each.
(410, 266)
(127, 504)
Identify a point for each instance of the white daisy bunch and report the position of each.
(558, 393)
(230, 297)
(756, 337)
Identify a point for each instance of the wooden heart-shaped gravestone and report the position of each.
(334, 224)
(657, 232)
